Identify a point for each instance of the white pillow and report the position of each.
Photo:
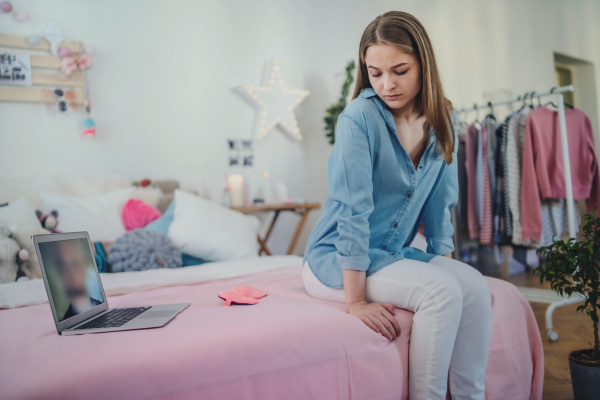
(99, 215)
(19, 214)
(207, 230)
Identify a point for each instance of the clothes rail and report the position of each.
(544, 295)
(557, 91)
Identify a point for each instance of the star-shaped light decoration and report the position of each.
(276, 103)
(53, 36)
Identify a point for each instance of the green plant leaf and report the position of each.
(334, 111)
(574, 267)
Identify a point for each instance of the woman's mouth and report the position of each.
(392, 97)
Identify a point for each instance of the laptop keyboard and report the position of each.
(113, 318)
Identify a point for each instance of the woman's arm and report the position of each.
(379, 317)
(350, 182)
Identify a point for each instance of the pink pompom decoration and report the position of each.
(137, 214)
(84, 61)
(68, 65)
(21, 16)
(64, 51)
(6, 7)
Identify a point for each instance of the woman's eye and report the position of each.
(402, 73)
(376, 75)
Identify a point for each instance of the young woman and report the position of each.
(392, 169)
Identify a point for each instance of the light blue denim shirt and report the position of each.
(377, 198)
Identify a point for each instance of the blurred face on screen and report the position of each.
(71, 265)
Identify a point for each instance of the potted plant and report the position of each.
(334, 111)
(574, 267)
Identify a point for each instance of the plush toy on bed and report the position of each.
(49, 221)
(29, 267)
(139, 250)
(11, 256)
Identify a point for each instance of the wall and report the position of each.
(163, 75)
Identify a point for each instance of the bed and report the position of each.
(288, 346)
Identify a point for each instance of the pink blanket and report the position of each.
(289, 346)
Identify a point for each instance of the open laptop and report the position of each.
(76, 294)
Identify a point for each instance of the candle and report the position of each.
(236, 191)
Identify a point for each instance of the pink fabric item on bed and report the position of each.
(292, 347)
(137, 214)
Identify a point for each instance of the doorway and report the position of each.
(579, 73)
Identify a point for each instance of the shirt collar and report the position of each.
(367, 93)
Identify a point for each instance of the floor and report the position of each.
(576, 332)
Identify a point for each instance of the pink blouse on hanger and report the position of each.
(543, 172)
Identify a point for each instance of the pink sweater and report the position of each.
(543, 172)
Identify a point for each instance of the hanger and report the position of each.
(462, 121)
(476, 122)
(524, 103)
(552, 103)
(491, 111)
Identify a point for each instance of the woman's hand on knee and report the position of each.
(377, 316)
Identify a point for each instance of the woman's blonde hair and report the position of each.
(404, 31)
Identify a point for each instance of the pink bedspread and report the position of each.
(289, 346)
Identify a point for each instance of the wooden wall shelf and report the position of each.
(45, 71)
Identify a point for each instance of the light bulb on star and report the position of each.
(276, 103)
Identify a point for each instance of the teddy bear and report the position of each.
(11, 256)
(49, 221)
(29, 267)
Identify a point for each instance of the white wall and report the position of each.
(163, 75)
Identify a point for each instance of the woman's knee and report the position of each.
(446, 291)
(474, 286)
(477, 296)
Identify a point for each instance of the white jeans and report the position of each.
(451, 328)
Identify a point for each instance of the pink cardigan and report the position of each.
(543, 172)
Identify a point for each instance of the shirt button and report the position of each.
(420, 166)
(395, 225)
(408, 195)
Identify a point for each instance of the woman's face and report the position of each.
(394, 75)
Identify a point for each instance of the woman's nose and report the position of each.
(389, 83)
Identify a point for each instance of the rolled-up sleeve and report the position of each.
(350, 181)
(437, 218)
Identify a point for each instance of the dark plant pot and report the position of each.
(585, 377)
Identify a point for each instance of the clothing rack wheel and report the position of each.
(554, 300)
(552, 336)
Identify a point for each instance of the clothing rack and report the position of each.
(563, 138)
(544, 295)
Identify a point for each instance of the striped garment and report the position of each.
(487, 226)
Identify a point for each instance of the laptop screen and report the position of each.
(71, 276)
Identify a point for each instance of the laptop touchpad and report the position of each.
(156, 314)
